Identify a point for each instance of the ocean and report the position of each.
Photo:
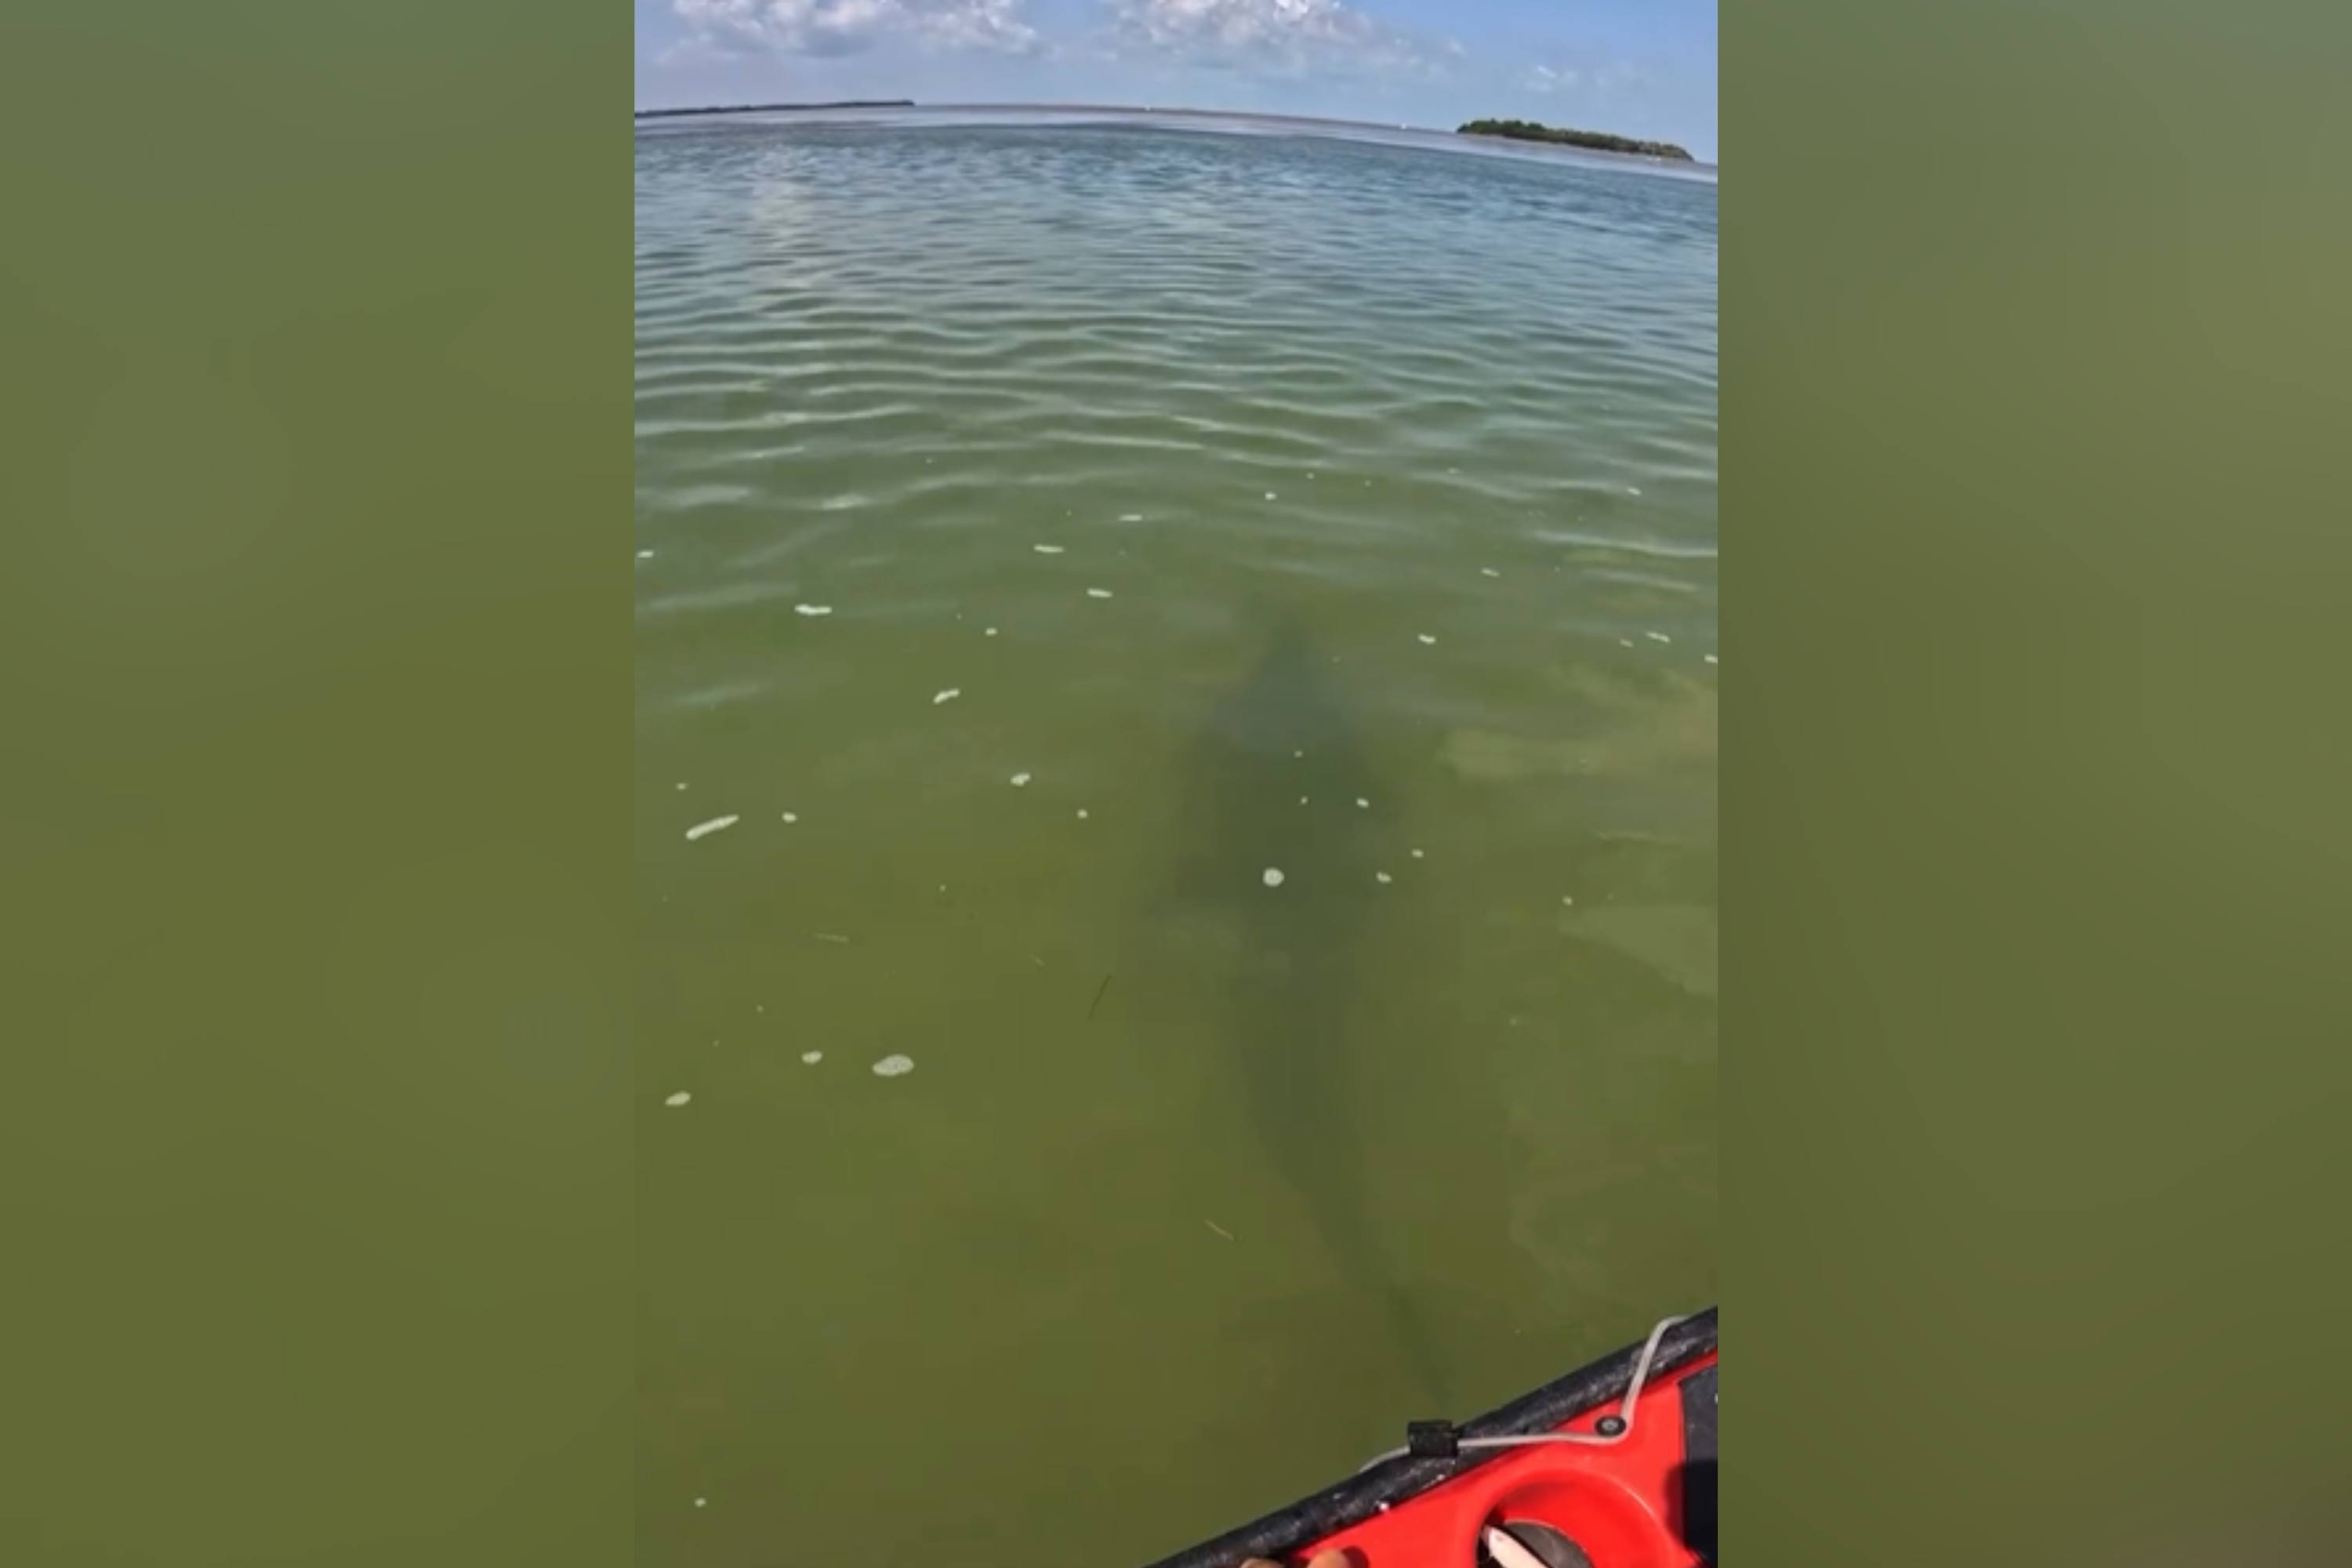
(1176, 829)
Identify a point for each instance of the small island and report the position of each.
(773, 108)
(1592, 140)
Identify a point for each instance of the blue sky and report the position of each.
(1638, 67)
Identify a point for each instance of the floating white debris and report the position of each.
(1271, 496)
(1419, 855)
(1363, 805)
(791, 819)
(814, 612)
(1488, 572)
(1658, 637)
(1302, 800)
(1384, 879)
(1428, 641)
(949, 695)
(992, 631)
(678, 1102)
(644, 555)
(1082, 814)
(894, 1067)
(1098, 593)
(1570, 902)
(1131, 516)
(809, 1058)
(702, 1502)
(1021, 781)
(1274, 879)
(1631, 490)
(1712, 659)
(1624, 642)
(1050, 550)
(683, 788)
(721, 825)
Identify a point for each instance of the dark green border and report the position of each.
(2035, 349)
(319, 1232)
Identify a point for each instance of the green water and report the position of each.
(1382, 483)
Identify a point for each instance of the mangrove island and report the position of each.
(1592, 140)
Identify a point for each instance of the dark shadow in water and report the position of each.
(1295, 956)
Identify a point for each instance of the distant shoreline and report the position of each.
(1524, 132)
(775, 107)
(1591, 141)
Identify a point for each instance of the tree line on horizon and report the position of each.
(1593, 141)
(773, 108)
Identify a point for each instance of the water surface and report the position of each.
(1278, 508)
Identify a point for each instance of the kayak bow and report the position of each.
(1611, 1467)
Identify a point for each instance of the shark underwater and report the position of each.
(1276, 863)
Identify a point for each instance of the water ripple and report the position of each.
(876, 367)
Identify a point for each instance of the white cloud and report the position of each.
(1197, 25)
(1287, 36)
(847, 27)
(1591, 83)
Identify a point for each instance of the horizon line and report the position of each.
(683, 111)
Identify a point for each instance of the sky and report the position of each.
(1635, 67)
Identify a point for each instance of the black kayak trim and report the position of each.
(1364, 1496)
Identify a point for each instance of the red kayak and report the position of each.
(1611, 1467)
